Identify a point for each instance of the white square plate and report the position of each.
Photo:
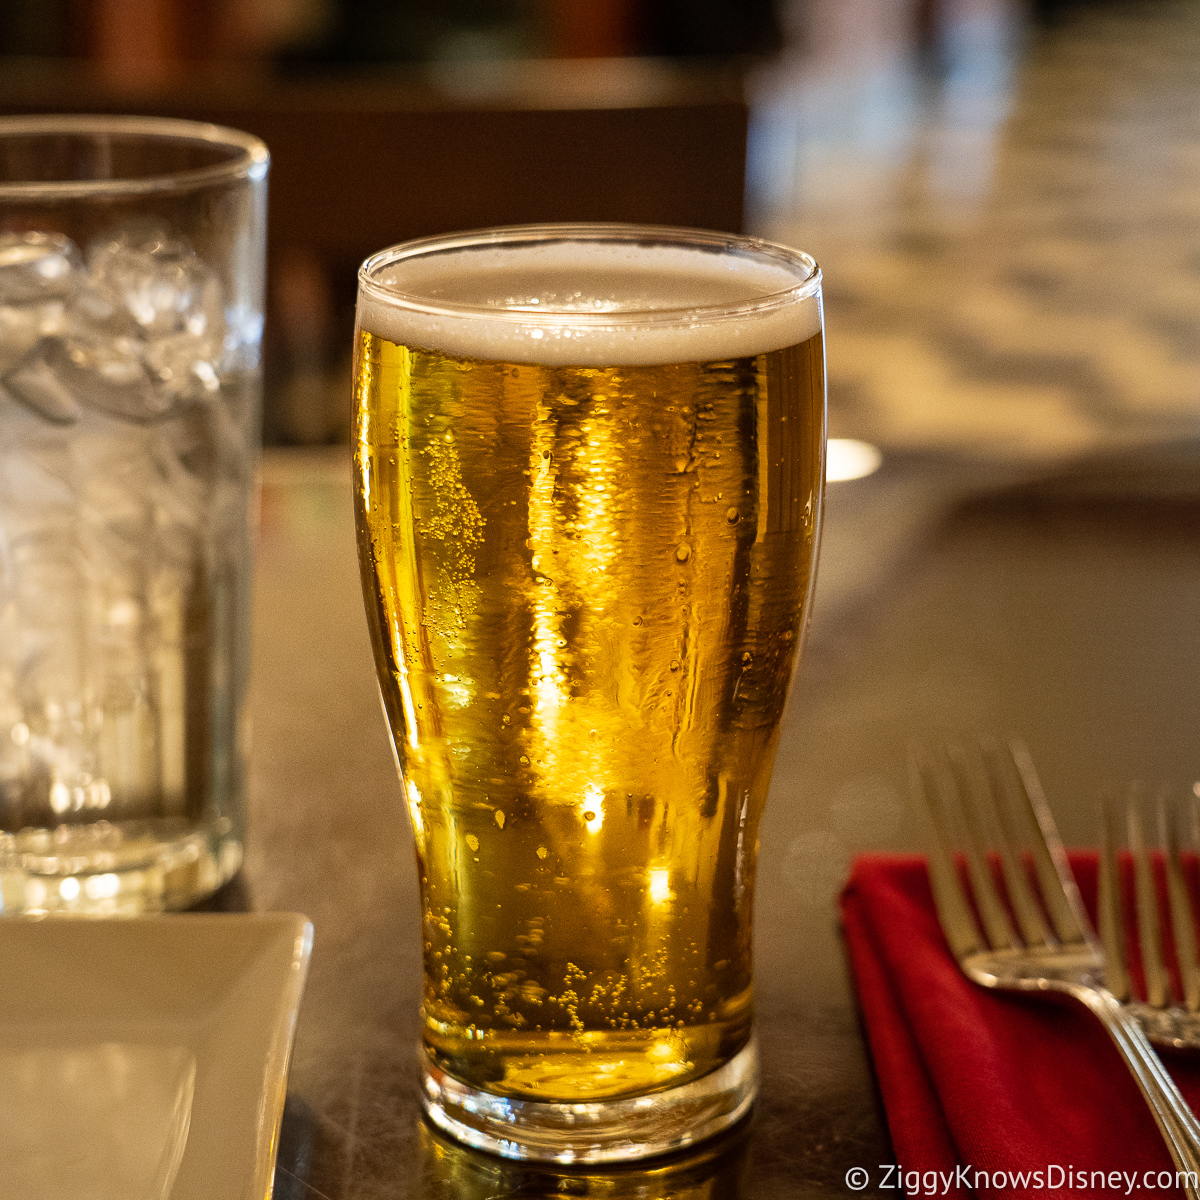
(146, 1058)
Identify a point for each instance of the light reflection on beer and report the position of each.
(414, 811)
(544, 670)
(591, 807)
(739, 878)
(572, 554)
(410, 713)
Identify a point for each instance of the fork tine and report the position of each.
(1182, 917)
(1157, 992)
(953, 910)
(1116, 978)
(1059, 891)
(1029, 917)
(956, 782)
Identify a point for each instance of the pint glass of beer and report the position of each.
(589, 473)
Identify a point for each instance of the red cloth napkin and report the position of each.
(991, 1081)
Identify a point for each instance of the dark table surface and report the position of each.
(1061, 606)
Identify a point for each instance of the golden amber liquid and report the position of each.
(587, 587)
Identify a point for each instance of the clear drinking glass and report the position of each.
(131, 291)
(589, 464)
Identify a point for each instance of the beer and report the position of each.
(587, 537)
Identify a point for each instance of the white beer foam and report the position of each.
(591, 304)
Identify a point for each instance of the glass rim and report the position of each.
(596, 232)
(251, 161)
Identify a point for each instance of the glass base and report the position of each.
(114, 869)
(592, 1132)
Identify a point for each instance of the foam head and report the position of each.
(588, 296)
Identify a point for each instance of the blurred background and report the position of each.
(1004, 196)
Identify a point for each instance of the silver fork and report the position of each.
(1174, 1022)
(991, 798)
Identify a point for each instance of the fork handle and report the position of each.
(1175, 1119)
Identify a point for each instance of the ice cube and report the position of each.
(145, 274)
(123, 711)
(243, 338)
(14, 739)
(49, 602)
(182, 524)
(38, 385)
(22, 326)
(38, 505)
(106, 374)
(37, 496)
(181, 366)
(36, 267)
(35, 488)
(205, 317)
(92, 312)
(114, 476)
